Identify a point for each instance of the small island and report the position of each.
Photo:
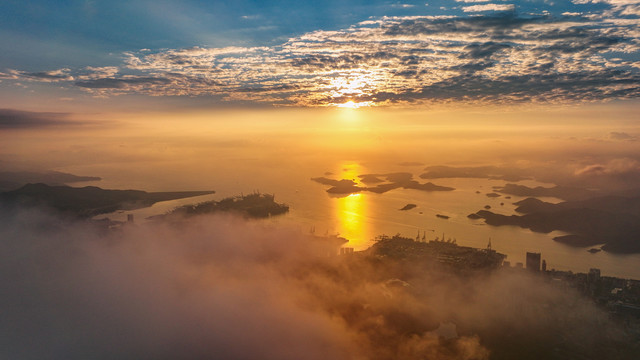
(408, 207)
(577, 240)
(561, 192)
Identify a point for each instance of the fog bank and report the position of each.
(220, 287)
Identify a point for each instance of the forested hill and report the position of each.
(87, 201)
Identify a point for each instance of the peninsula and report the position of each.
(87, 201)
(255, 205)
(618, 232)
(12, 180)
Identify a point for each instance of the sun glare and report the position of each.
(354, 105)
(348, 104)
(351, 211)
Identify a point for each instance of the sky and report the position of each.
(99, 55)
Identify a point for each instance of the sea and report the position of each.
(279, 152)
(361, 217)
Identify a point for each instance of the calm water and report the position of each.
(279, 152)
(362, 217)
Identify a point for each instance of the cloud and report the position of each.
(481, 58)
(100, 72)
(110, 83)
(617, 167)
(402, 6)
(44, 76)
(621, 136)
(489, 7)
(619, 173)
(16, 119)
(220, 286)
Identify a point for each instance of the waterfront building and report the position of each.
(533, 261)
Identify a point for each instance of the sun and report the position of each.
(349, 104)
(354, 105)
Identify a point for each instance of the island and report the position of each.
(480, 172)
(610, 203)
(411, 163)
(560, 192)
(392, 181)
(370, 179)
(409, 207)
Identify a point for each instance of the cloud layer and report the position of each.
(219, 287)
(16, 119)
(491, 54)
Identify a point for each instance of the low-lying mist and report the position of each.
(221, 287)
(245, 150)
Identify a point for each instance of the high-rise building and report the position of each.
(533, 261)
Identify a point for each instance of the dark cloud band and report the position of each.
(503, 57)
